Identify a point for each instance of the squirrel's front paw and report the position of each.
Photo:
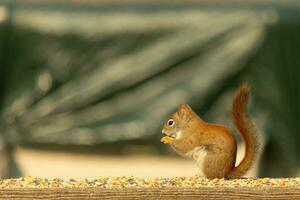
(167, 140)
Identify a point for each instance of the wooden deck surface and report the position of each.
(153, 193)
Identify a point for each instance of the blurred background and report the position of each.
(85, 86)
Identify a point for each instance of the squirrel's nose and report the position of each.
(166, 132)
(163, 131)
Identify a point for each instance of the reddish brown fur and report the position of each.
(246, 128)
(217, 140)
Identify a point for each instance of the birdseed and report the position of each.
(135, 182)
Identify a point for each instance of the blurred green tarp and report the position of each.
(94, 75)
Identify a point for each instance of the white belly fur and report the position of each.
(198, 154)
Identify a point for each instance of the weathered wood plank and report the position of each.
(153, 193)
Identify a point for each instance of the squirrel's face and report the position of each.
(174, 126)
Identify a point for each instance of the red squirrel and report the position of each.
(213, 146)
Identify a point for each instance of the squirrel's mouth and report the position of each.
(171, 136)
(168, 134)
(167, 139)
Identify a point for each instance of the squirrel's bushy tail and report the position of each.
(247, 130)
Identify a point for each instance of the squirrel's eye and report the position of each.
(171, 122)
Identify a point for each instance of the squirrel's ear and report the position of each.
(184, 110)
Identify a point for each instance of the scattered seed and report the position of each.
(135, 182)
